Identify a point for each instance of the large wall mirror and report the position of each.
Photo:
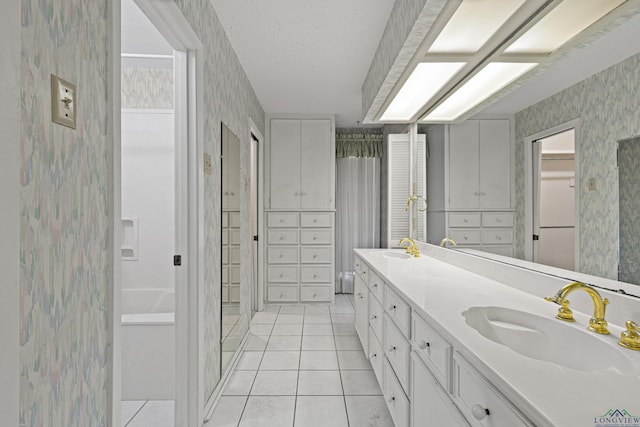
(231, 327)
(629, 210)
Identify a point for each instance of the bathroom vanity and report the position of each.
(460, 340)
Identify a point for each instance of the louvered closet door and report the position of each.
(421, 188)
(399, 178)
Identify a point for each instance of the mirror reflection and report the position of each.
(231, 329)
(629, 206)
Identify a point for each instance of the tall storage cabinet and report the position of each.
(470, 184)
(300, 209)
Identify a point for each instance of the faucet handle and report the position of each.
(564, 312)
(631, 337)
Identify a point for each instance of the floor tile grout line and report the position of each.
(136, 414)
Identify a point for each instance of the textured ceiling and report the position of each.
(306, 56)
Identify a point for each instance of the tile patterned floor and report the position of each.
(303, 366)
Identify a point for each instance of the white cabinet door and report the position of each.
(464, 167)
(285, 164)
(495, 157)
(430, 405)
(361, 306)
(316, 165)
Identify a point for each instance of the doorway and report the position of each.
(254, 204)
(175, 313)
(551, 213)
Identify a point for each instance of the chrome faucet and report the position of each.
(597, 322)
(446, 240)
(411, 248)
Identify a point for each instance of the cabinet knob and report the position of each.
(482, 193)
(479, 412)
(315, 275)
(391, 348)
(465, 220)
(315, 255)
(281, 275)
(282, 237)
(423, 345)
(281, 255)
(315, 220)
(374, 317)
(498, 219)
(315, 238)
(477, 193)
(372, 355)
(314, 294)
(360, 295)
(498, 237)
(375, 285)
(392, 307)
(391, 399)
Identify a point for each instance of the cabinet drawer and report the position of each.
(376, 314)
(433, 349)
(376, 357)
(282, 219)
(234, 219)
(398, 310)
(464, 219)
(397, 349)
(234, 272)
(315, 237)
(282, 293)
(282, 237)
(316, 274)
(375, 285)
(465, 237)
(497, 219)
(315, 255)
(397, 401)
(288, 274)
(431, 402)
(497, 235)
(316, 293)
(282, 255)
(234, 236)
(474, 394)
(310, 219)
(360, 267)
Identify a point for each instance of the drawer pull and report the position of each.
(281, 275)
(282, 237)
(372, 355)
(391, 348)
(498, 219)
(315, 255)
(315, 238)
(423, 345)
(391, 399)
(281, 294)
(281, 255)
(479, 412)
(498, 237)
(465, 238)
(374, 317)
(315, 220)
(375, 285)
(315, 275)
(364, 272)
(392, 307)
(360, 295)
(281, 220)
(314, 294)
(465, 220)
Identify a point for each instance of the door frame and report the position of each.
(257, 290)
(529, 215)
(169, 20)
(10, 120)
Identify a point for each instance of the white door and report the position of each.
(255, 215)
(495, 155)
(284, 164)
(464, 167)
(316, 164)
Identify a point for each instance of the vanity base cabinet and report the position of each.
(432, 406)
(394, 395)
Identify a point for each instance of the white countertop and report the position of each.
(548, 394)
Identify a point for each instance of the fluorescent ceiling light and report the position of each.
(472, 24)
(423, 83)
(492, 78)
(560, 25)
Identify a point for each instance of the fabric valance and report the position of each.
(358, 145)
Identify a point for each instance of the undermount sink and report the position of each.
(547, 340)
(396, 255)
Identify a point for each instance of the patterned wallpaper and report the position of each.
(147, 88)
(65, 271)
(629, 176)
(607, 106)
(229, 98)
(407, 26)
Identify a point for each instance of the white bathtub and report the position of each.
(148, 344)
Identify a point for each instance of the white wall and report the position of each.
(9, 211)
(148, 193)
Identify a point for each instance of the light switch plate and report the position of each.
(63, 102)
(208, 166)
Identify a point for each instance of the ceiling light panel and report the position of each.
(472, 24)
(564, 22)
(423, 83)
(492, 78)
